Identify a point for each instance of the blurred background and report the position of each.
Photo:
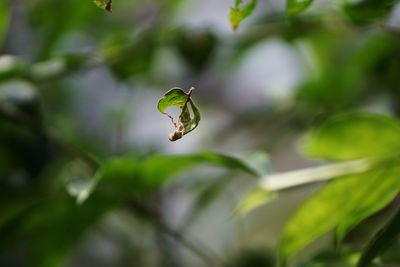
(79, 85)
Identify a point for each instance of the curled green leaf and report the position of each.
(104, 4)
(189, 117)
(240, 12)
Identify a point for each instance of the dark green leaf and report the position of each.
(129, 56)
(353, 136)
(53, 227)
(296, 6)
(338, 204)
(189, 117)
(367, 10)
(104, 4)
(196, 47)
(240, 12)
(381, 241)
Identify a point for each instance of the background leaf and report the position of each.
(367, 10)
(338, 203)
(353, 136)
(254, 199)
(240, 12)
(381, 241)
(147, 175)
(296, 6)
(65, 227)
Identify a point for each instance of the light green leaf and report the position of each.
(382, 240)
(253, 200)
(240, 12)
(4, 18)
(377, 199)
(189, 117)
(338, 203)
(104, 4)
(296, 6)
(353, 136)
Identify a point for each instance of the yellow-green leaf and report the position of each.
(254, 199)
(353, 136)
(104, 4)
(338, 203)
(240, 12)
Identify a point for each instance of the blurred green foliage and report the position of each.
(66, 167)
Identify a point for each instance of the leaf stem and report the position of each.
(290, 179)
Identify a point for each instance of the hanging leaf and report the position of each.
(104, 4)
(189, 117)
(240, 12)
(296, 6)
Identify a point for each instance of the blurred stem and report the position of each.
(290, 179)
(158, 222)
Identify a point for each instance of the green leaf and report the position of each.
(381, 241)
(141, 177)
(366, 11)
(338, 203)
(4, 18)
(296, 6)
(130, 56)
(240, 12)
(189, 117)
(353, 136)
(104, 4)
(161, 167)
(253, 200)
